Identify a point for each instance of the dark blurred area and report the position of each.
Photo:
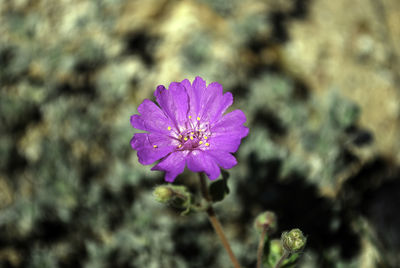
(319, 82)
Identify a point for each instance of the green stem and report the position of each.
(284, 256)
(260, 250)
(215, 222)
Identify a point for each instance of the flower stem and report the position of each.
(260, 249)
(284, 256)
(215, 222)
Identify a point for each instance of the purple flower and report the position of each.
(188, 128)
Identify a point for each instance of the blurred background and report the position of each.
(319, 81)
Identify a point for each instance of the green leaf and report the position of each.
(219, 189)
(291, 262)
(274, 253)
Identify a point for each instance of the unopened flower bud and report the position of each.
(163, 194)
(293, 241)
(266, 220)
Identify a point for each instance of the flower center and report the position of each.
(194, 135)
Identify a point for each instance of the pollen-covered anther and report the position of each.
(200, 142)
(207, 144)
(185, 138)
(190, 117)
(205, 137)
(169, 128)
(191, 138)
(155, 146)
(180, 145)
(198, 118)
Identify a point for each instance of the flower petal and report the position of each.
(151, 147)
(195, 93)
(186, 83)
(211, 101)
(174, 102)
(207, 102)
(225, 103)
(173, 165)
(231, 125)
(225, 143)
(151, 118)
(228, 132)
(223, 159)
(199, 161)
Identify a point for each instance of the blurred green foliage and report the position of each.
(72, 190)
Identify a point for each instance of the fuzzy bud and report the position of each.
(293, 241)
(266, 220)
(163, 194)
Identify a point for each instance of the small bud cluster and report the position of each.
(163, 194)
(266, 220)
(175, 195)
(293, 241)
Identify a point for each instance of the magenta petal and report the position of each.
(211, 102)
(199, 88)
(174, 102)
(181, 101)
(195, 93)
(214, 87)
(225, 143)
(223, 159)
(186, 84)
(206, 102)
(237, 133)
(151, 147)
(228, 132)
(199, 161)
(151, 118)
(226, 102)
(231, 124)
(173, 165)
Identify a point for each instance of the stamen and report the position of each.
(191, 137)
(169, 128)
(190, 122)
(207, 144)
(198, 118)
(180, 145)
(155, 146)
(180, 136)
(185, 138)
(200, 142)
(205, 137)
